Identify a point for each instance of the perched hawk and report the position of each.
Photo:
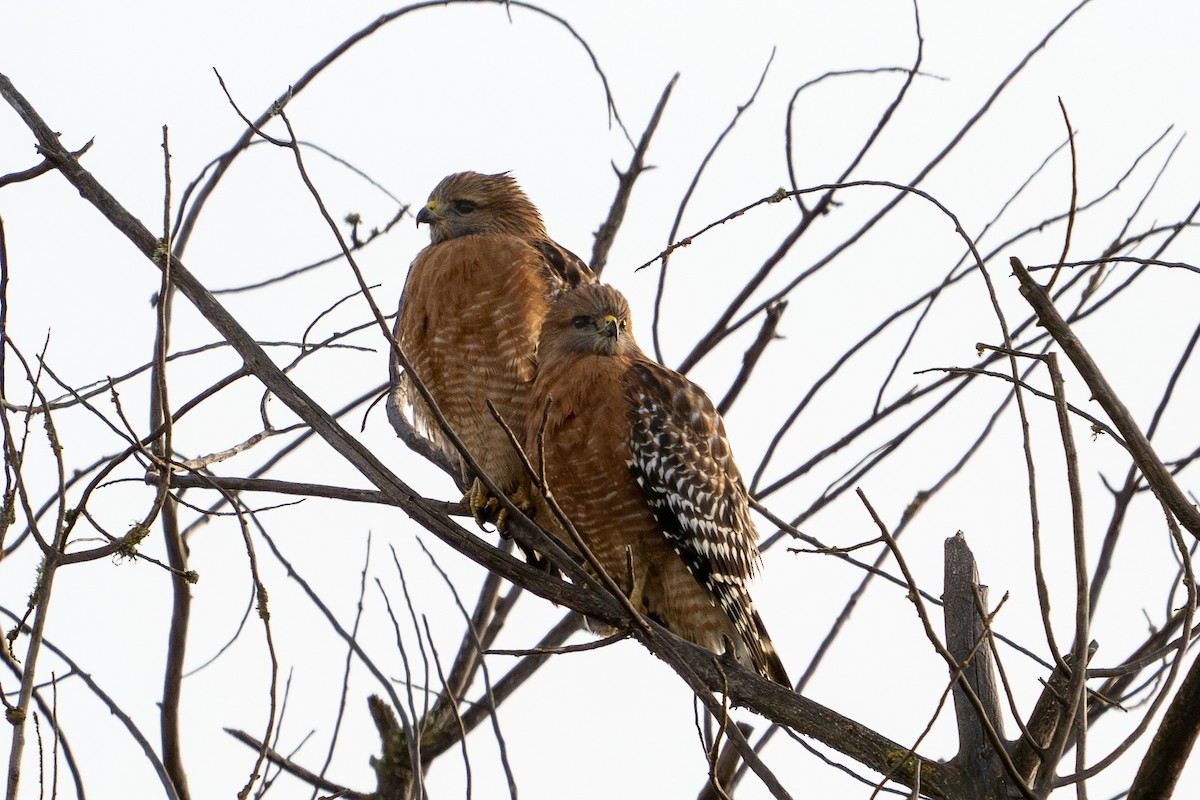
(636, 456)
(470, 315)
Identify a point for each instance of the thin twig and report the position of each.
(290, 767)
(1074, 197)
(687, 195)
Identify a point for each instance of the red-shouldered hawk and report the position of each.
(470, 315)
(636, 456)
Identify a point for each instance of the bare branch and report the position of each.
(750, 360)
(40, 169)
(290, 767)
(965, 628)
(1148, 462)
(607, 231)
(687, 195)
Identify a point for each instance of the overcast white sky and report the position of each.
(463, 87)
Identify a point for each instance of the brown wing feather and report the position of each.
(682, 461)
(563, 268)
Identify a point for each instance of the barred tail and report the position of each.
(762, 651)
(736, 603)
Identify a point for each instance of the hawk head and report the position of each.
(590, 319)
(467, 203)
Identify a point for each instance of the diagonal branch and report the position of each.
(625, 180)
(1157, 475)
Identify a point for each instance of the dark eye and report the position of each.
(464, 206)
(580, 323)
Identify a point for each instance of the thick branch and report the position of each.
(965, 631)
(783, 706)
(1172, 743)
(1047, 716)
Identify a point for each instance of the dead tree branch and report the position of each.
(965, 628)
(1147, 460)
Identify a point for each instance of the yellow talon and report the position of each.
(488, 509)
(483, 506)
(521, 499)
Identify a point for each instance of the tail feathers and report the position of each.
(763, 654)
(748, 625)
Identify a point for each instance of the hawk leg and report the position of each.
(633, 587)
(637, 579)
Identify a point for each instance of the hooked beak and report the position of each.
(611, 327)
(427, 214)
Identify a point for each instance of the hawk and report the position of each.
(636, 456)
(469, 319)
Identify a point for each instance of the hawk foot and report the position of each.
(486, 508)
(521, 499)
